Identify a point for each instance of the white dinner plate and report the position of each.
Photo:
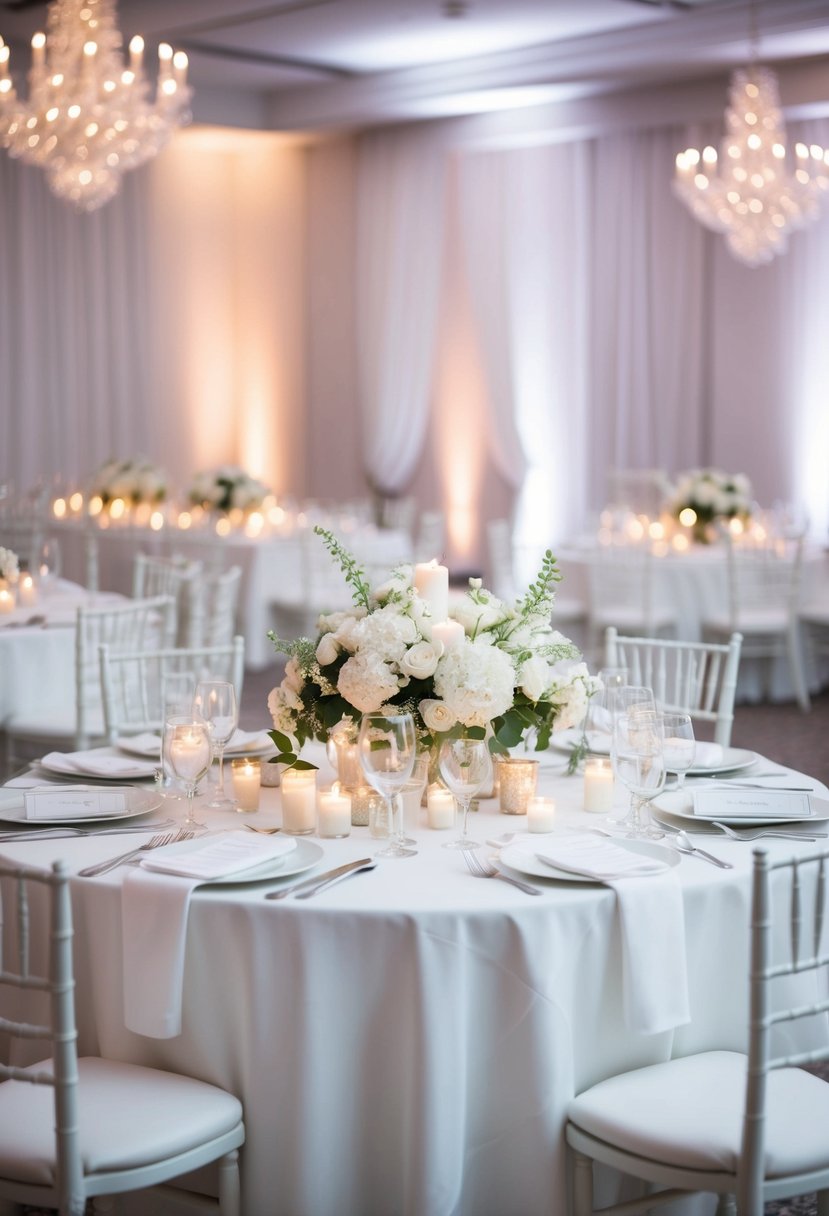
(679, 804)
(734, 759)
(243, 743)
(139, 802)
(516, 857)
(75, 764)
(305, 855)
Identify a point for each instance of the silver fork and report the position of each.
(483, 869)
(761, 832)
(155, 842)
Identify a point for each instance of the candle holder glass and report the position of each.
(246, 780)
(517, 781)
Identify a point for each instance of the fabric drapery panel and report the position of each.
(400, 222)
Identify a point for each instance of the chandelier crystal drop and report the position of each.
(749, 192)
(89, 117)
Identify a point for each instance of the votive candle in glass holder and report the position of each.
(363, 798)
(26, 590)
(598, 784)
(270, 774)
(246, 779)
(333, 813)
(541, 815)
(517, 779)
(6, 597)
(440, 808)
(299, 801)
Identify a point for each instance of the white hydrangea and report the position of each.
(366, 681)
(8, 564)
(475, 682)
(570, 690)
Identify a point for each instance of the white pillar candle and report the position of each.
(334, 814)
(26, 591)
(299, 801)
(6, 600)
(431, 582)
(440, 808)
(598, 785)
(450, 633)
(541, 814)
(247, 779)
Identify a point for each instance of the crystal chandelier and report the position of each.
(89, 117)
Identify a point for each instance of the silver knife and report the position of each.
(312, 884)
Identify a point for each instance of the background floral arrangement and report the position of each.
(135, 481)
(227, 488)
(712, 495)
(8, 564)
(511, 671)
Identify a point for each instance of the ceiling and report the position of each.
(322, 64)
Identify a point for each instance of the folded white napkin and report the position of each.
(708, 755)
(155, 902)
(651, 924)
(99, 762)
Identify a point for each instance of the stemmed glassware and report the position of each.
(680, 745)
(177, 688)
(187, 750)
(626, 698)
(638, 757)
(466, 768)
(388, 747)
(48, 564)
(598, 723)
(215, 703)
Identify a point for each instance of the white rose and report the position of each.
(534, 677)
(436, 716)
(293, 675)
(327, 650)
(420, 660)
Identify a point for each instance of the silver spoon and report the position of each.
(686, 845)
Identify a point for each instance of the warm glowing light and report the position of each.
(656, 530)
(96, 504)
(185, 520)
(254, 523)
(736, 526)
(223, 526)
(157, 521)
(680, 542)
(76, 501)
(117, 508)
(59, 508)
(635, 529)
(687, 517)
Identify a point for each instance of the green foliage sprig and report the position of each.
(354, 573)
(285, 752)
(540, 593)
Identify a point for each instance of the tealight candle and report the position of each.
(440, 808)
(26, 591)
(6, 600)
(598, 784)
(299, 801)
(517, 780)
(431, 582)
(541, 814)
(246, 776)
(333, 814)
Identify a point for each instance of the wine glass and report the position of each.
(627, 699)
(177, 689)
(187, 749)
(680, 745)
(48, 563)
(388, 747)
(638, 757)
(598, 725)
(215, 703)
(466, 767)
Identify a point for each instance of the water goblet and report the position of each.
(598, 723)
(215, 703)
(388, 747)
(680, 745)
(638, 758)
(466, 768)
(627, 699)
(48, 563)
(187, 750)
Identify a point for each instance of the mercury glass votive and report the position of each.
(517, 780)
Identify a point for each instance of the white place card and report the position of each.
(751, 804)
(74, 803)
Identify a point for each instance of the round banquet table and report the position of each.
(407, 1041)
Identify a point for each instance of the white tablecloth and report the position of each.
(407, 1042)
(272, 566)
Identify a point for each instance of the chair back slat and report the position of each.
(132, 682)
(697, 678)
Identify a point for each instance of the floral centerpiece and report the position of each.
(506, 671)
(9, 567)
(134, 481)
(703, 497)
(227, 488)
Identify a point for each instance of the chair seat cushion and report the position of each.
(129, 1117)
(689, 1113)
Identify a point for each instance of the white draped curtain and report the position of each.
(400, 214)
